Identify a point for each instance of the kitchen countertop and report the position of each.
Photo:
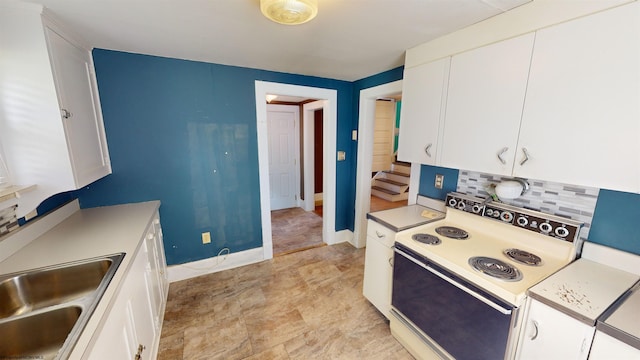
(89, 233)
(622, 321)
(584, 289)
(405, 217)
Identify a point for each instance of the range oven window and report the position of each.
(447, 309)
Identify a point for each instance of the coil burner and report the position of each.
(426, 239)
(495, 268)
(523, 257)
(452, 232)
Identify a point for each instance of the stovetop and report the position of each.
(489, 238)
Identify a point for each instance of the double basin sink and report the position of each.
(43, 311)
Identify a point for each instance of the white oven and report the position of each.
(459, 284)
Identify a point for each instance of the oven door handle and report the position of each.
(455, 283)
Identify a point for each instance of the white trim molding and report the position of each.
(214, 264)
(330, 122)
(365, 155)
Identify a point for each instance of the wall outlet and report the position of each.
(31, 215)
(206, 237)
(439, 181)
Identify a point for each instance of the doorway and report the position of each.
(366, 120)
(328, 102)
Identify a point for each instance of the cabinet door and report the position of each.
(423, 96)
(378, 271)
(581, 120)
(550, 334)
(484, 106)
(606, 347)
(80, 109)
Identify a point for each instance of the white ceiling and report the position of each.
(348, 40)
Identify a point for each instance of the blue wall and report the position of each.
(184, 133)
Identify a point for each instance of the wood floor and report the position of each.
(378, 204)
(303, 305)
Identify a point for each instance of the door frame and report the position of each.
(262, 88)
(308, 133)
(366, 120)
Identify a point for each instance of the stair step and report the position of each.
(392, 182)
(388, 194)
(397, 173)
(401, 167)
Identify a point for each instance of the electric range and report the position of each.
(467, 275)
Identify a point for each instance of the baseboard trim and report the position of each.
(214, 264)
(345, 236)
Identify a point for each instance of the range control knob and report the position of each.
(489, 212)
(496, 214)
(476, 208)
(452, 202)
(506, 216)
(461, 205)
(562, 232)
(522, 221)
(545, 227)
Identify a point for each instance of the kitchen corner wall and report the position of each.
(610, 217)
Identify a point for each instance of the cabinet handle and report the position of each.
(535, 328)
(66, 113)
(391, 261)
(504, 150)
(526, 156)
(141, 348)
(380, 235)
(428, 150)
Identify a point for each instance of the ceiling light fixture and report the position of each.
(289, 12)
(270, 98)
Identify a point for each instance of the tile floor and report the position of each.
(303, 305)
(294, 229)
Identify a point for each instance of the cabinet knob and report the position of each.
(500, 153)
(427, 149)
(66, 113)
(526, 156)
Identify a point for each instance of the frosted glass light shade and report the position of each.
(289, 12)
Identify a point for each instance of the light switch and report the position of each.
(341, 155)
(354, 135)
(439, 181)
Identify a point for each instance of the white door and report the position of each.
(282, 125)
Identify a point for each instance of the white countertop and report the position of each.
(584, 289)
(625, 318)
(405, 217)
(85, 234)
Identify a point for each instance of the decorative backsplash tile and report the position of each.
(569, 201)
(8, 220)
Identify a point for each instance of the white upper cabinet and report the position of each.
(51, 126)
(423, 97)
(581, 119)
(80, 108)
(484, 106)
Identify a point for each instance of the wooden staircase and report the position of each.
(392, 185)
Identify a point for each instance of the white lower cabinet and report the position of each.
(132, 327)
(378, 266)
(551, 334)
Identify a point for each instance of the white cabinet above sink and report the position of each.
(51, 126)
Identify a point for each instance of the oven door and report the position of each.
(465, 321)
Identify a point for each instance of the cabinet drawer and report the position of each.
(381, 233)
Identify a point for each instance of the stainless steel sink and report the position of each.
(41, 288)
(37, 336)
(43, 311)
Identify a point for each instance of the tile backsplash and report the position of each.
(569, 201)
(8, 220)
